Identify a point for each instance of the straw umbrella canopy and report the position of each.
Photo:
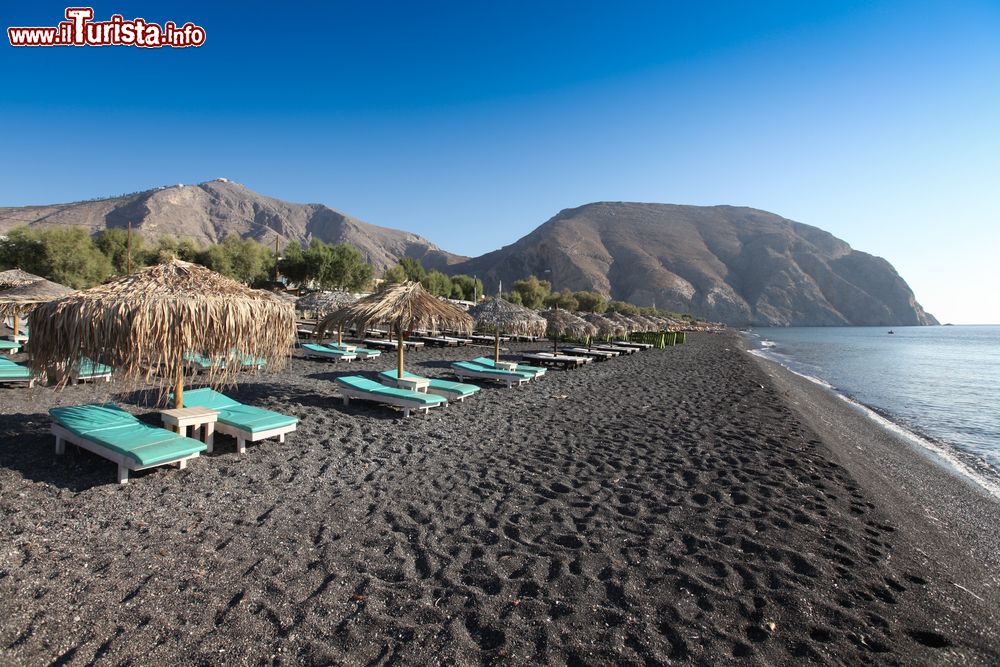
(501, 316)
(324, 302)
(403, 307)
(16, 278)
(604, 326)
(564, 322)
(159, 315)
(18, 301)
(646, 323)
(628, 326)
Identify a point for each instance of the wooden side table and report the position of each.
(178, 419)
(506, 365)
(413, 384)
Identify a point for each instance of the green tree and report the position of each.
(339, 266)
(513, 297)
(413, 268)
(563, 299)
(216, 257)
(65, 255)
(393, 275)
(532, 290)
(591, 302)
(623, 307)
(187, 249)
(113, 244)
(293, 264)
(466, 287)
(437, 283)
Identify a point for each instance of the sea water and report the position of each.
(940, 383)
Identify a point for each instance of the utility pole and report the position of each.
(276, 237)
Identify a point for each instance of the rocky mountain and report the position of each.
(724, 263)
(210, 211)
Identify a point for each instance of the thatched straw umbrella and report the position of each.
(500, 316)
(604, 326)
(564, 322)
(16, 278)
(323, 303)
(19, 301)
(628, 326)
(403, 307)
(158, 315)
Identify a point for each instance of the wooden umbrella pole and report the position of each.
(340, 335)
(399, 341)
(17, 325)
(179, 386)
(496, 345)
(555, 342)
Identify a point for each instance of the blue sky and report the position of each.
(471, 123)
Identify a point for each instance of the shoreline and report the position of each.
(673, 506)
(910, 479)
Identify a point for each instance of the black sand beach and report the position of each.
(686, 505)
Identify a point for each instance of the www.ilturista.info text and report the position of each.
(81, 30)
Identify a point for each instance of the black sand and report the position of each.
(673, 506)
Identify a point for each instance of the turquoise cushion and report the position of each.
(457, 388)
(9, 345)
(372, 387)
(244, 417)
(207, 398)
(116, 429)
(521, 368)
(254, 420)
(473, 366)
(322, 349)
(88, 367)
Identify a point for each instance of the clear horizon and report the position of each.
(876, 121)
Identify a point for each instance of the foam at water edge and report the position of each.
(940, 452)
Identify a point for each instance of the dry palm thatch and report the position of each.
(403, 307)
(644, 322)
(16, 278)
(323, 303)
(628, 326)
(158, 316)
(561, 322)
(604, 326)
(18, 301)
(499, 316)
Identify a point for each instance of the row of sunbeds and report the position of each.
(115, 434)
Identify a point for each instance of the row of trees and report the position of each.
(71, 256)
(437, 283)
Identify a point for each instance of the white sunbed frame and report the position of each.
(29, 380)
(76, 378)
(509, 380)
(396, 401)
(334, 356)
(125, 463)
(242, 436)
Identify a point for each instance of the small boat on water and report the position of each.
(891, 332)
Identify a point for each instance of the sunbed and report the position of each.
(558, 360)
(393, 344)
(600, 355)
(359, 352)
(116, 435)
(11, 372)
(615, 348)
(467, 369)
(534, 371)
(88, 369)
(315, 351)
(628, 343)
(453, 391)
(243, 422)
(9, 347)
(355, 386)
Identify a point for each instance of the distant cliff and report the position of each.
(724, 263)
